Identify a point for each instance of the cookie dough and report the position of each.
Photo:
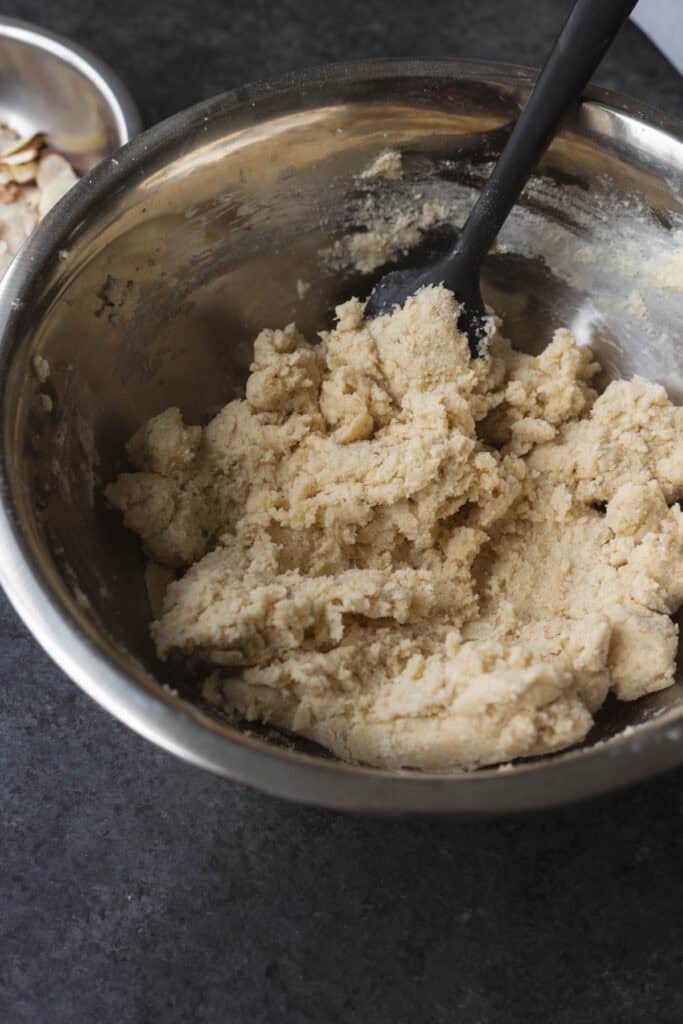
(412, 557)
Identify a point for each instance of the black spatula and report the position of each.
(579, 48)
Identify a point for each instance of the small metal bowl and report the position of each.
(48, 84)
(147, 283)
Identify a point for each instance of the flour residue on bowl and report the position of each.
(388, 165)
(620, 259)
(383, 236)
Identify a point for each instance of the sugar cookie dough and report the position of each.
(413, 557)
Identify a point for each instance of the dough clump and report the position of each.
(413, 557)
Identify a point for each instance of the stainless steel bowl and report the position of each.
(49, 84)
(148, 282)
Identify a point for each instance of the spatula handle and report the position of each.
(578, 50)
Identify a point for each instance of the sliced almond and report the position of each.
(13, 151)
(17, 221)
(7, 137)
(24, 156)
(21, 173)
(32, 180)
(10, 192)
(54, 178)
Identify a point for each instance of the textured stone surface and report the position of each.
(136, 889)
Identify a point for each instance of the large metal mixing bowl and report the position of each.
(148, 282)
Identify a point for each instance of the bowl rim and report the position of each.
(106, 81)
(179, 727)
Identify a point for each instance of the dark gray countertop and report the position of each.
(136, 889)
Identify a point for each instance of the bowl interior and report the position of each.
(195, 242)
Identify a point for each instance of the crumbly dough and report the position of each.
(416, 558)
